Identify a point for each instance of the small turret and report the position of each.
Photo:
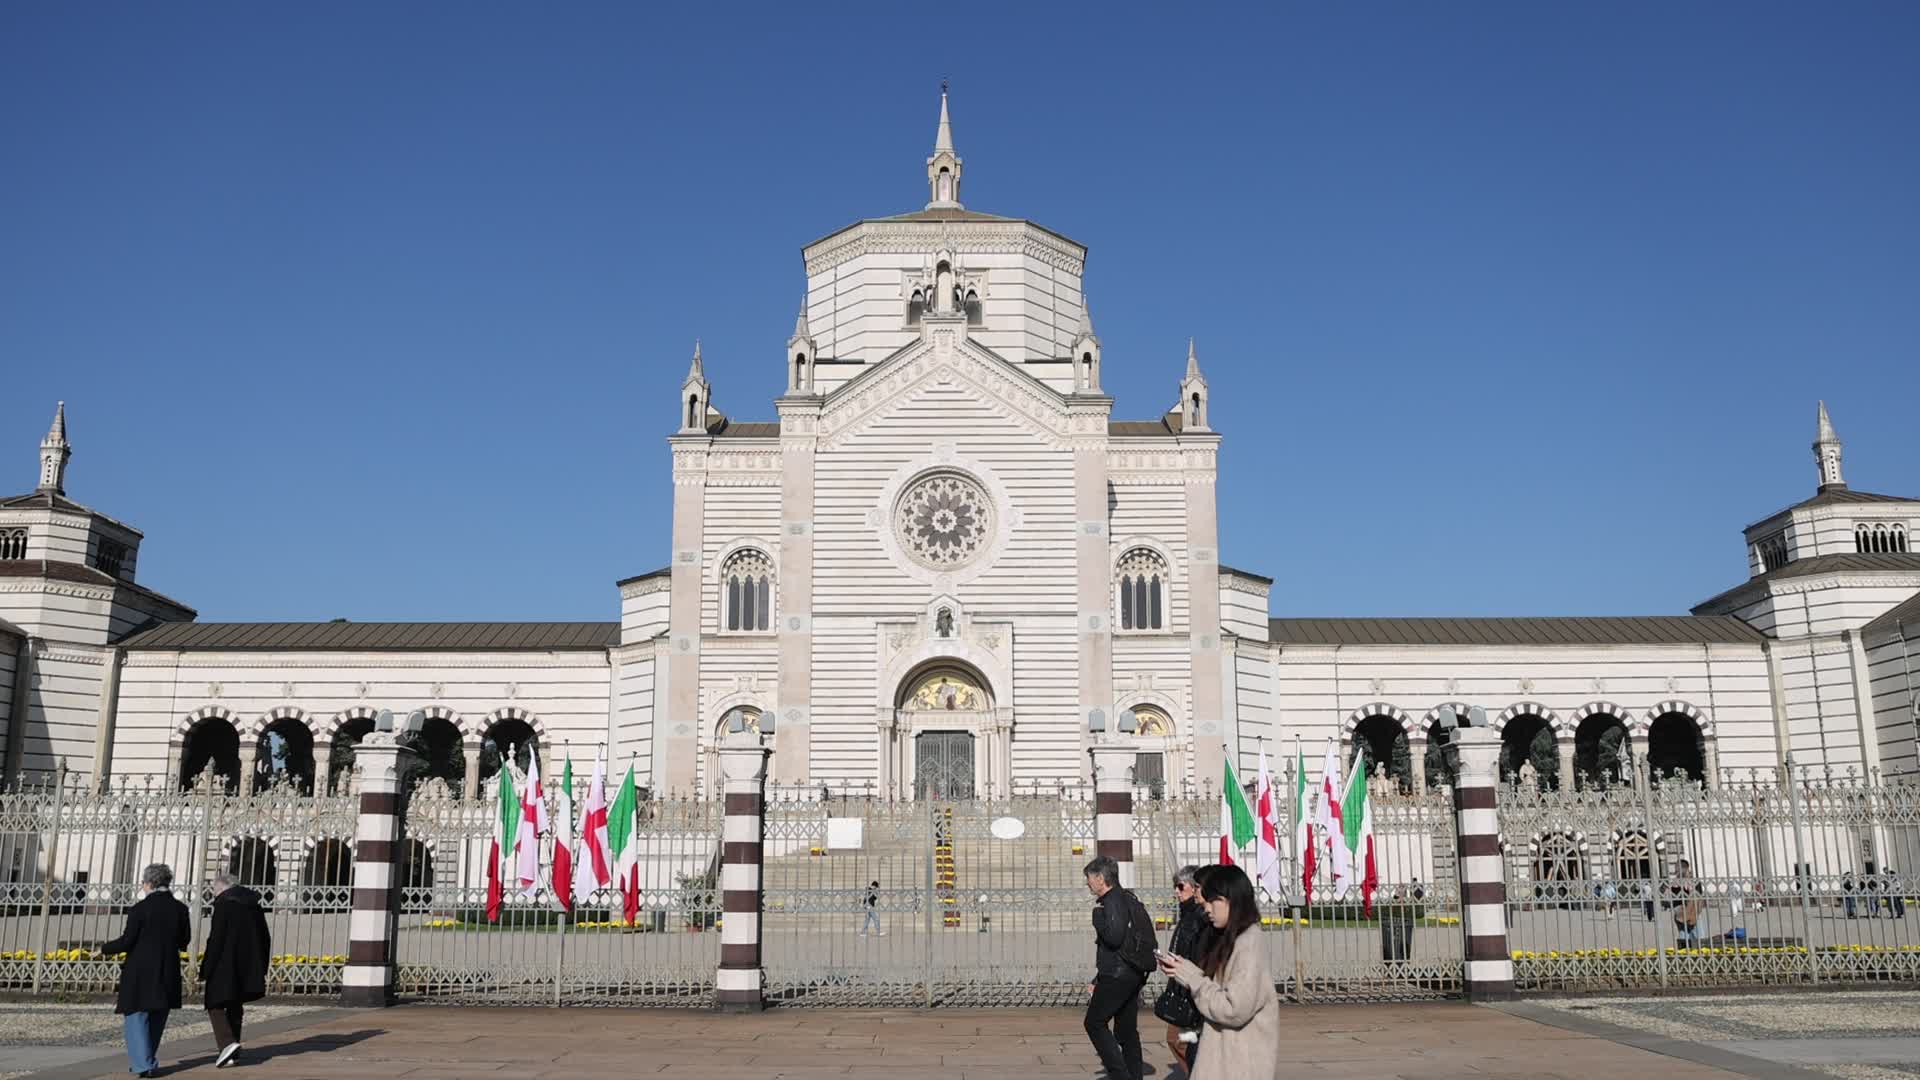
(943, 168)
(1193, 394)
(697, 394)
(803, 351)
(1086, 352)
(1826, 453)
(55, 452)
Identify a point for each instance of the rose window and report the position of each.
(943, 520)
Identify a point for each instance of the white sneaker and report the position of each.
(226, 1055)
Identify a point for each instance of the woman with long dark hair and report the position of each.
(1232, 984)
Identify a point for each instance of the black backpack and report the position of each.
(1137, 953)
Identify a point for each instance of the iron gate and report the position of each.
(974, 901)
(943, 765)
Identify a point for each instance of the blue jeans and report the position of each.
(872, 919)
(143, 1030)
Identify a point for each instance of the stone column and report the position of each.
(1483, 882)
(471, 788)
(1093, 559)
(1113, 806)
(1565, 746)
(1213, 730)
(679, 729)
(379, 836)
(737, 983)
(1417, 758)
(20, 709)
(793, 701)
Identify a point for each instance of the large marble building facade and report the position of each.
(939, 563)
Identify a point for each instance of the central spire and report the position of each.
(943, 168)
(1826, 453)
(55, 451)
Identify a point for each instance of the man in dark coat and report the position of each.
(234, 967)
(157, 929)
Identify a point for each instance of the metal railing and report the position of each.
(1754, 880)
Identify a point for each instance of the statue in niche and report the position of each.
(943, 623)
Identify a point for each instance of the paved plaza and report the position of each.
(1857, 1036)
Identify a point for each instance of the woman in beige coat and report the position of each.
(1232, 984)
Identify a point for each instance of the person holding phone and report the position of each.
(1232, 984)
(1175, 1005)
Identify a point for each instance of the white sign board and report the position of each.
(843, 833)
(1009, 828)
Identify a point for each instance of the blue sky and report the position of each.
(379, 311)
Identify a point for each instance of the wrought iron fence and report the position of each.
(871, 899)
(1406, 946)
(72, 857)
(1753, 880)
(448, 950)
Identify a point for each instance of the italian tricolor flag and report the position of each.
(1302, 830)
(625, 845)
(1356, 819)
(506, 822)
(1236, 817)
(562, 841)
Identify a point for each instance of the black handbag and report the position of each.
(1175, 1006)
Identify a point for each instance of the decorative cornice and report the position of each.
(290, 661)
(956, 237)
(652, 583)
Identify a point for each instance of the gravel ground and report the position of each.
(1839, 1015)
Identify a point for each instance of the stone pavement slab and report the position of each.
(1416, 1041)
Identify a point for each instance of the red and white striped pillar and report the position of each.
(738, 986)
(367, 980)
(1113, 806)
(1483, 881)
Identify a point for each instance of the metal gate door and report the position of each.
(943, 765)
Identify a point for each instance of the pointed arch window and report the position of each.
(746, 591)
(1142, 589)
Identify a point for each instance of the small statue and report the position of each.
(1529, 776)
(943, 623)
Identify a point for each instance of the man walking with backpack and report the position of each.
(1123, 954)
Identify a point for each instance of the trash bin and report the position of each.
(1396, 934)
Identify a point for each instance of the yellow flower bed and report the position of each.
(1707, 950)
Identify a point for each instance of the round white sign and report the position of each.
(1009, 828)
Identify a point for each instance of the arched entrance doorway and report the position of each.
(1528, 740)
(1675, 748)
(947, 740)
(1382, 741)
(1601, 749)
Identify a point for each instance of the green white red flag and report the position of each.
(1236, 817)
(1302, 828)
(506, 822)
(1356, 812)
(563, 840)
(624, 841)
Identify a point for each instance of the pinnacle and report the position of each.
(57, 434)
(943, 138)
(800, 329)
(1086, 316)
(695, 371)
(1193, 361)
(1826, 434)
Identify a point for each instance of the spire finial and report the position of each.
(943, 168)
(696, 371)
(1086, 316)
(800, 321)
(1826, 452)
(55, 452)
(1193, 361)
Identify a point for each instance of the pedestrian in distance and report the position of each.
(1686, 904)
(157, 930)
(1175, 1005)
(1232, 984)
(1848, 885)
(234, 966)
(1124, 945)
(871, 907)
